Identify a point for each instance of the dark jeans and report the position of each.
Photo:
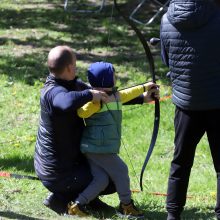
(68, 188)
(72, 183)
(190, 126)
(69, 185)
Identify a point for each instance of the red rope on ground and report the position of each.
(4, 174)
(155, 193)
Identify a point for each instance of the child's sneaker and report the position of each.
(76, 209)
(130, 211)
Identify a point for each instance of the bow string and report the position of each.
(150, 60)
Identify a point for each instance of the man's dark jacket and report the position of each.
(190, 42)
(57, 152)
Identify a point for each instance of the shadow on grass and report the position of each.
(13, 215)
(188, 214)
(196, 213)
(38, 29)
(24, 164)
(191, 214)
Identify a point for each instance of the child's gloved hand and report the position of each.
(150, 85)
(152, 92)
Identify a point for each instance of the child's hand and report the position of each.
(150, 85)
(151, 94)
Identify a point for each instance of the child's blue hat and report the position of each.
(101, 74)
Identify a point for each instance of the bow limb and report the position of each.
(153, 139)
(150, 60)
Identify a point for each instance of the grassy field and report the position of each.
(28, 30)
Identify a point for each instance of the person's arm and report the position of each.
(138, 100)
(82, 85)
(88, 109)
(164, 54)
(126, 95)
(65, 100)
(130, 93)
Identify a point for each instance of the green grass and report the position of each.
(28, 29)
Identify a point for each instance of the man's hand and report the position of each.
(151, 93)
(98, 96)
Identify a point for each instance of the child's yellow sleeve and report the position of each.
(88, 109)
(131, 93)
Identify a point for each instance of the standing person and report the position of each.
(190, 33)
(102, 136)
(58, 162)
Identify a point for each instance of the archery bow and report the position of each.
(150, 60)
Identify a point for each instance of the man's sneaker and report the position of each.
(130, 211)
(56, 202)
(76, 209)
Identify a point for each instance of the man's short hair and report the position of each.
(59, 58)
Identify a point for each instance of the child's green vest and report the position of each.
(102, 133)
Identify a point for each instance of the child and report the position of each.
(101, 140)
